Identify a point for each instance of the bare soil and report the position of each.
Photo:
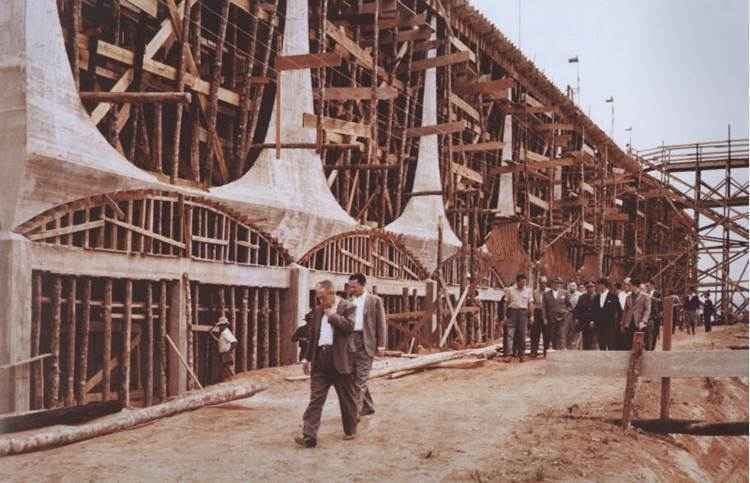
(500, 422)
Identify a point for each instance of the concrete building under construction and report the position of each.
(167, 162)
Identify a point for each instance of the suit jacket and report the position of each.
(584, 310)
(555, 308)
(374, 330)
(609, 315)
(342, 323)
(637, 311)
(692, 303)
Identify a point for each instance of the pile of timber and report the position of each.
(403, 366)
(127, 418)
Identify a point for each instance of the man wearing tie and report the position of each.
(607, 313)
(369, 339)
(330, 362)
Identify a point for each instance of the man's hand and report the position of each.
(380, 352)
(306, 367)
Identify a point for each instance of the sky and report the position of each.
(677, 69)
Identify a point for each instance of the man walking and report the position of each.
(330, 362)
(584, 314)
(369, 338)
(636, 314)
(556, 312)
(692, 304)
(538, 323)
(708, 311)
(520, 305)
(607, 313)
(573, 334)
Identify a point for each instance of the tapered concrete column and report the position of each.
(15, 321)
(177, 331)
(295, 307)
(430, 299)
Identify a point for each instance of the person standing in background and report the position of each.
(607, 314)
(557, 312)
(520, 306)
(539, 328)
(691, 306)
(584, 313)
(708, 311)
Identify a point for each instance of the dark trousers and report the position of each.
(517, 322)
(654, 328)
(589, 337)
(606, 336)
(692, 320)
(362, 368)
(558, 327)
(707, 321)
(323, 376)
(539, 330)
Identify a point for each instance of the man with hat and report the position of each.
(556, 312)
(584, 315)
(520, 305)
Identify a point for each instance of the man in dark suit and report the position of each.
(556, 313)
(369, 338)
(584, 316)
(708, 311)
(607, 313)
(330, 362)
(692, 305)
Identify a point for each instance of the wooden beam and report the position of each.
(557, 126)
(383, 93)
(470, 148)
(337, 125)
(445, 128)
(466, 172)
(137, 97)
(441, 61)
(456, 42)
(308, 61)
(493, 88)
(465, 107)
(535, 200)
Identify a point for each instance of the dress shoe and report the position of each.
(306, 441)
(349, 437)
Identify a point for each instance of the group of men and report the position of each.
(343, 334)
(603, 317)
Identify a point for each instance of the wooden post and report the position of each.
(148, 338)
(190, 335)
(71, 340)
(107, 351)
(36, 323)
(127, 328)
(634, 368)
(161, 342)
(263, 327)
(666, 341)
(242, 332)
(177, 331)
(253, 331)
(54, 386)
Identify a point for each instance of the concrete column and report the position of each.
(430, 298)
(15, 321)
(295, 306)
(177, 331)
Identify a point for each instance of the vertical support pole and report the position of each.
(278, 104)
(53, 389)
(37, 369)
(107, 351)
(147, 340)
(15, 321)
(634, 368)
(161, 341)
(253, 331)
(295, 307)
(666, 341)
(127, 329)
(264, 321)
(70, 363)
(242, 331)
(431, 303)
(83, 353)
(177, 331)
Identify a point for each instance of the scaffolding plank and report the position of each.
(308, 61)
(441, 61)
(445, 128)
(337, 125)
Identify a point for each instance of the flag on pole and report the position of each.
(573, 60)
(610, 99)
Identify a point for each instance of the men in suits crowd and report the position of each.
(369, 338)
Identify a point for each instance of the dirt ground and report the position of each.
(500, 422)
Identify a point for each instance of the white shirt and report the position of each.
(326, 331)
(623, 296)
(359, 314)
(518, 299)
(574, 296)
(603, 298)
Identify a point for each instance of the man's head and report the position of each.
(543, 282)
(602, 285)
(572, 287)
(635, 286)
(325, 294)
(520, 280)
(590, 288)
(357, 284)
(557, 283)
(706, 296)
(627, 284)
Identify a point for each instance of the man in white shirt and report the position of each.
(573, 333)
(519, 302)
(369, 338)
(329, 362)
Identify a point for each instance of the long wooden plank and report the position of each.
(459, 45)
(440, 61)
(497, 88)
(470, 148)
(444, 128)
(308, 61)
(713, 363)
(383, 93)
(466, 172)
(465, 107)
(337, 125)
(66, 230)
